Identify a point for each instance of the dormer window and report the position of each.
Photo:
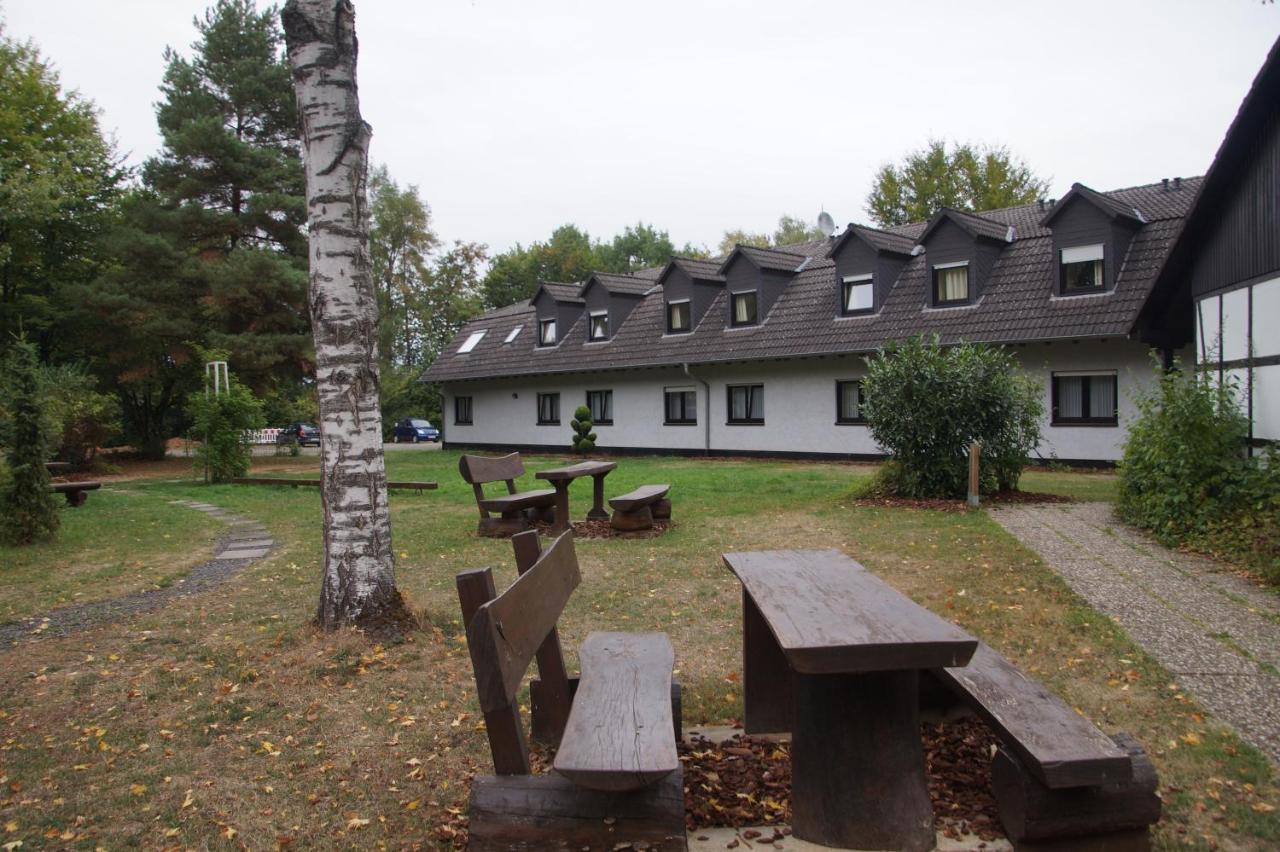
(547, 332)
(951, 283)
(1080, 269)
(599, 329)
(471, 342)
(678, 318)
(744, 309)
(857, 294)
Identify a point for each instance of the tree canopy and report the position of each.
(966, 177)
(790, 230)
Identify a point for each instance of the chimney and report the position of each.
(1164, 183)
(1042, 204)
(1177, 183)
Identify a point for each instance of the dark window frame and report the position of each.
(841, 420)
(755, 309)
(748, 420)
(690, 410)
(458, 411)
(1100, 287)
(1086, 390)
(542, 324)
(847, 285)
(594, 421)
(688, 303)
(555, 404)
(591, 326)
(938, 301)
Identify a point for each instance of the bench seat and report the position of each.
(637, 510)
(645, 495)
(618, 736)
(520, 500)
(74, 491)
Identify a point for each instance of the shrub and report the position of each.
(84, 418)
(584, 440)
(221, 424)
(28, 511)
(926, 403)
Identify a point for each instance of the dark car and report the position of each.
(412, 430)
(300, 434)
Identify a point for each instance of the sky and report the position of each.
(700, 116)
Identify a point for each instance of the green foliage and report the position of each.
(926, 403)
(790, 230)
(83, 418)
(968, 177)
(1187, 478)
(28, 512)
(584, 440)
(220, 424)
(402, 395)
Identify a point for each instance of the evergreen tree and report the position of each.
(28, 512)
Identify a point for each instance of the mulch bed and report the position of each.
(747, 781)
(943, 505)
(601, 529)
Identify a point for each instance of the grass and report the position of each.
(225, 718)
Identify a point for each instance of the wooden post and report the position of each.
(975, 453)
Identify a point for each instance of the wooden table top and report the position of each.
(573, 471)
(830, 615)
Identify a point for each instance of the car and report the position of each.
(413, 429)
(300, 434)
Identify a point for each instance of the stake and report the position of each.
(975, 451)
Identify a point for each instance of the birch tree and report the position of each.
(358, 585)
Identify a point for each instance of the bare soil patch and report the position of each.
(601, 529)
(945, 505)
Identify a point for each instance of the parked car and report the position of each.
(413, 430)
(300, 434)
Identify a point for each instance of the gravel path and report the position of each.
(1219, 634)
(245, 542)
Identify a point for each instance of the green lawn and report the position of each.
(225, 717)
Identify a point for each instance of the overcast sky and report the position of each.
(513, 117)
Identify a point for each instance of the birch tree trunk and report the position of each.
(358, 585)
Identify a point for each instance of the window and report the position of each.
(744, 308)
(600, 326)
(548, 409)
(950, 283)
(513, 333)
(601, 405)
(1080, 269)
(681, 406)
(471, 342)
(746, 404)
(849, 402)
(462, 410)
(857, 295)
(677, 317)
(547, 332)
(1088, 399)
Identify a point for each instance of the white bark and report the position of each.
(358, 585)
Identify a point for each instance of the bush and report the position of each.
(28, 511)
(221, 423)
(926, 403)
(1186, 475)
(84, 419)
(584, 440)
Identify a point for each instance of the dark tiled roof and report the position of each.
(1018, 305)
(972, 223)
(696, 267)
(879, 240)
(563, 292)
(780, 260)
(1111, 206)
(635, 285)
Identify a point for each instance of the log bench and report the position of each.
(315, 483)
(515, 509)
(617, 777)
(1057, 778)
(637, 510)
(75, 492)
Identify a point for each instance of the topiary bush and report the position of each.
(925, 403)
(584, 440)
(220, 423)
(28, 511)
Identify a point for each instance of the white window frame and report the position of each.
(472, 341)
(515, 332)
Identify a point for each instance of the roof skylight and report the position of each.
(471, 342)
(512, 334)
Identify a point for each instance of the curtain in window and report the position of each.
(549, 407)
(601, 405)
(953, 284)
(679, 316)
(851, 401)
(740, 400)
(1102, 396)
(756, 406)
(744, 308)
(548, 331)
(1070, 397)
(599, 326)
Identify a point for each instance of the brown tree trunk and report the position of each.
(358, 585)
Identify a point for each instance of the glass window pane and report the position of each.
(744, 308)
(547, 334)
(850, 400)
(1070, 397)
(678, 316)
(858, 296)
(1086, 275)
(757, 402)
(739, 409)
(1102, 396)
(599, 326)
(953, 284)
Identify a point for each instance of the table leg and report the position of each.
(766, 677)
(598, 512)
(857, 764)
(562, 522)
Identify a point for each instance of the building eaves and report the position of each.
(776, 260)
(1112, 207)
(630, 285)
(883, 241)
(974, 225)
(561, 292)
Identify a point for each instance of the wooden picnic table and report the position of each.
(560, 477)
(834, 655)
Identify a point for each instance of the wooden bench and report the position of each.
(1056, 775)
(516, 509)
(315, 483)
(75, 492)
(617, 773)
(638, 509)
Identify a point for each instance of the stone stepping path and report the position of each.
(1218, 633)
(246, 541)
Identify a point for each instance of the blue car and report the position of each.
(412, 430)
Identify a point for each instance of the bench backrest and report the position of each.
(478, 470)
(505, 632)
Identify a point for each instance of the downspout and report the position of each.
(706, 394)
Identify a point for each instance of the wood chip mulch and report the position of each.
(746, 781)
(601, 529)
(944, 505)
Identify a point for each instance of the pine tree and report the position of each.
(28, 511)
